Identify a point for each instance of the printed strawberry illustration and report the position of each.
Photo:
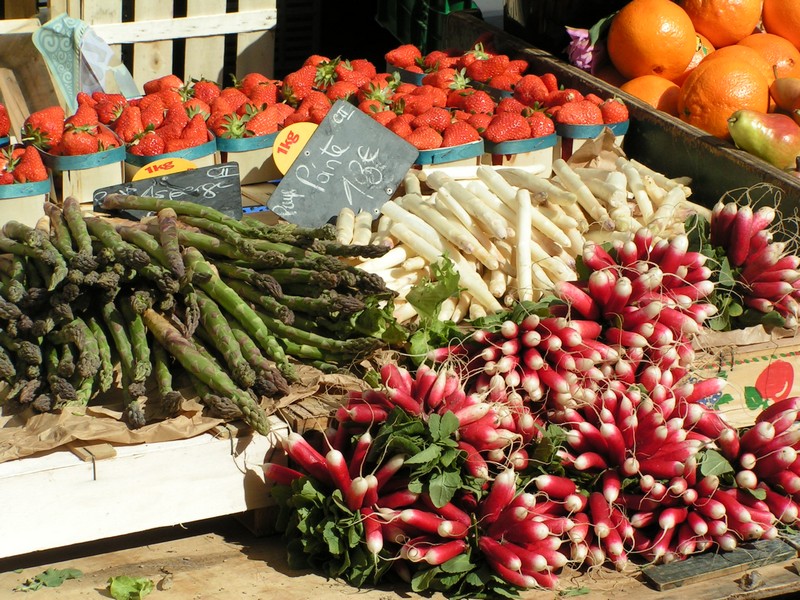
(44, 128)
(776, 381)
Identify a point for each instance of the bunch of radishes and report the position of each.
(767, 275)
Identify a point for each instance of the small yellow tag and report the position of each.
(289, 142)
(163, 166)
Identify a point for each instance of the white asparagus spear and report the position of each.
(660, 178)
(495, 223)
(499, 186)
(412, 221)
(572, 182)
(362, 229)
(654, 191)
(524, 226)
(446, 308)
(414, 263)
(462, 307)
(665, 215)
(404, 311)
(382, 235)
(345, 225)
(411, 183)
(492, 200)
(534, 183)
(393, 258)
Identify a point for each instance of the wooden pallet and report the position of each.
(149, 41)
(98, 491)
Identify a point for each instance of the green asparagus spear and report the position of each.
(66, 361)
(329, 303)
(259, 280)
(207, 244)
(105, 374)
(219, 406)
(142, 367)
(71, 209)
(168, 236)
(115, 323)
(223, 232)
(269, 381)
(238, 308)
(61, 390)
(221, 336)
(205, 370)
(128, 254)
(170, 398)
(26, 351)
(265, 301)
(79, 334)
(145, 241)
(7, 370)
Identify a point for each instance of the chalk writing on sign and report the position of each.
(350, 160)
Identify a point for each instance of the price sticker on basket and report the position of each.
(164, 166)
(216, 186)
(349, 161)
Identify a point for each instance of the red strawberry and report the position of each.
(84, 116)
(479, 102)
(6, 178)
(414, 104)
(5, 121)
(384, 117)
(550, 82)
(106, 139)
(152, 110)
(341, 90)
(530, 90)
(298, 84)
(614, 111)
(399, 127)
(579, 112)
(195, 106)
(45, 127)
(371, 107)
(177, 144)
(262, 123)
(129, 124)
(315, 59)
(282, 110)
(425, 138)
(109, 109)
(436, 117)
(177, 116)
(438, 59)
(195, 132)
(79, 140)
(461, 115)
(315, 99)
(404, 88)
(504, 81)
(457, 98)
(511, 105)
(484, 70)
(594, 98)
(148, 144)
(250, 81)
(264, 94)
(562, 97)
(476, 53)
(345, 72)
(298, 116)
(403, 56)
(30, 166)
(205, 90)
(459, 133)
(480, 121)
(518, 66)
(505, 127)
(167, 82)
(437, 95)
(170, 96)
(84, 98)
(364, 66)
(376, 89)
(226, 126)
(325, 73)
(234, 97)
(541, 125)
(318, 113)
(443, 78)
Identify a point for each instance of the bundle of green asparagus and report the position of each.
(233, 302)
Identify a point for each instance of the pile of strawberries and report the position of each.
(21, 164)
(51, 131)
(537, 102)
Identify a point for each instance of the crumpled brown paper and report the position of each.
(601, 152)
(30, 433)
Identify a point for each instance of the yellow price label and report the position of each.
(289, 143)
(163, 166)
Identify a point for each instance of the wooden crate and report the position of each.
(156, 40)
(19, 9)
(138, 488)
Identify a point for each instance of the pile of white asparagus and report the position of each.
(511, 233)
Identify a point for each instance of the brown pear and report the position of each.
(772, 137)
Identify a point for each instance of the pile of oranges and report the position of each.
(701, 60)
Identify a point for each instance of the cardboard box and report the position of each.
(533, 154)
(254, 156)
(760, 367)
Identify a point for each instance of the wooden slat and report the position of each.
(19, 25)
(14, 100)
(255, 51)
(205, 57)
(704, 566)
(151, 59)
(98, 12)
(154, 23)
(19, 9)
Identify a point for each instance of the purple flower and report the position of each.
(582, 53)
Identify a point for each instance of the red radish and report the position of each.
(422, 520)
(601, 514)
(733, 508)
(389, 469)
(453, 529)
(590, 460)
(405, 401)
(580, 301)
(415, 549)
(784, 509)
(280, 474)
(364, 414)
(501, 492)
(574, 503)
(398, 499)
(555, 486)
(394, 376)
(307, 457)
(441, 553)
(354, 494)
(337, 468)
(474, 462)
(495, 551)
(773, 410)
(435, 394)
(372, 531)
(739, 244)
(531, 561)
(525, 532)
(449, 511)
(359, 454)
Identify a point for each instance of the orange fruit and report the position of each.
(658, 92)
(702, 49)
(782, 17)
(651, 37)
(724, 22)
(744, 54)
(718, 88)
(779, 52)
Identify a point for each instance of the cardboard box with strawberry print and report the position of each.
(760, 368)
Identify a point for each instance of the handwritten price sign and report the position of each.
(349, 160)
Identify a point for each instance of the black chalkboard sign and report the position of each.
(350, 160)
(216, 186)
